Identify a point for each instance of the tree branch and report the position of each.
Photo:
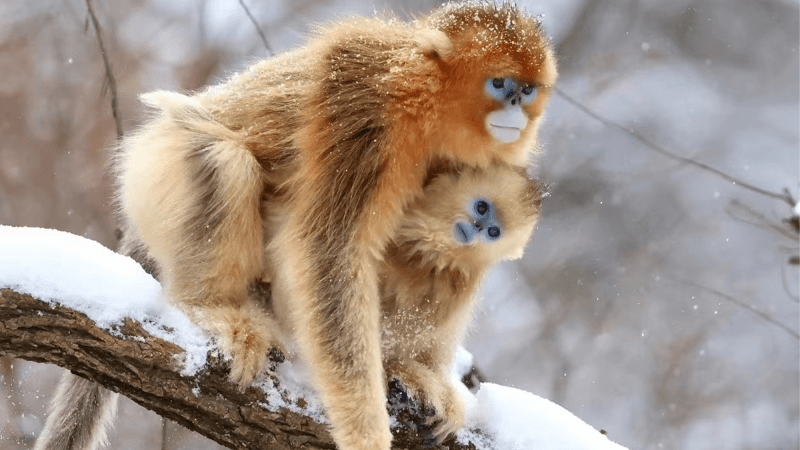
(785, 196)
(112, 82)
(788, 330)
(258, 28)
(130, 361)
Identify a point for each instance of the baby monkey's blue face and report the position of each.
(484, 224)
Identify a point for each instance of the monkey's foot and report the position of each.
(434, 393)
(246, 335)
(357, 413)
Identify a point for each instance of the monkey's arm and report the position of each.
(346, 200)
(424, 343)
(327, 280)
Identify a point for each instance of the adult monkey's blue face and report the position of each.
(506, 123)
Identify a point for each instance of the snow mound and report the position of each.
(519, 420)
(81, 274)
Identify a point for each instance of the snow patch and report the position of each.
(55, 266)
(462, 363)
(519, 420)
(295, 391)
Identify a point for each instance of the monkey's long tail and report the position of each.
(79, 416)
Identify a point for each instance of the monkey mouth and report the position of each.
(503, 127)
(505, 134)
(506, 125)
(461, 233)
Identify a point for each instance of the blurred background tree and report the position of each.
(656, 300)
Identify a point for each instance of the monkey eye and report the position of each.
(528, 93)
(497, 88)
(481, 207)
(493, 232)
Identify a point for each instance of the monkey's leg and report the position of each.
(191, 192)
(223, 257)
(79, 415)
(336, 327)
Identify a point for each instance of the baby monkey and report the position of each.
(463, 225)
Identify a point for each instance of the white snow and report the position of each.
(463, 362)
(295, 384)
(512, 419)
(76, 272)
(79, 273)
(519, 420)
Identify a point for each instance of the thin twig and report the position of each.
(258, 28)
(784, 281)
(112, 82)
(761, 220)
(669, 154)
(741, 304)
(164, 424)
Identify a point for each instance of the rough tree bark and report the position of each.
(141, 367)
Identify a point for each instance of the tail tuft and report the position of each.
(79, 416)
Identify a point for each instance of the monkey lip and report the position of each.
(462, 235)
(506, 128)
(505, 134)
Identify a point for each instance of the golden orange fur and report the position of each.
(299, 169)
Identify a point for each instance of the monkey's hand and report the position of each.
(246, 335)
(433, 391)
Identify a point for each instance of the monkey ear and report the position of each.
(434, 44)
(170, 102)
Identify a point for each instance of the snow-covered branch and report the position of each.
(129, 360)
(69, 301)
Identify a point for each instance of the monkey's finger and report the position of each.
(245, 369)
(443, 429)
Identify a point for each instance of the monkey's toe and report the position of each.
(433, 409)
(445, 428)
(245, 368)
(247, 338)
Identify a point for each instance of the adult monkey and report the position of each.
(299, 169)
